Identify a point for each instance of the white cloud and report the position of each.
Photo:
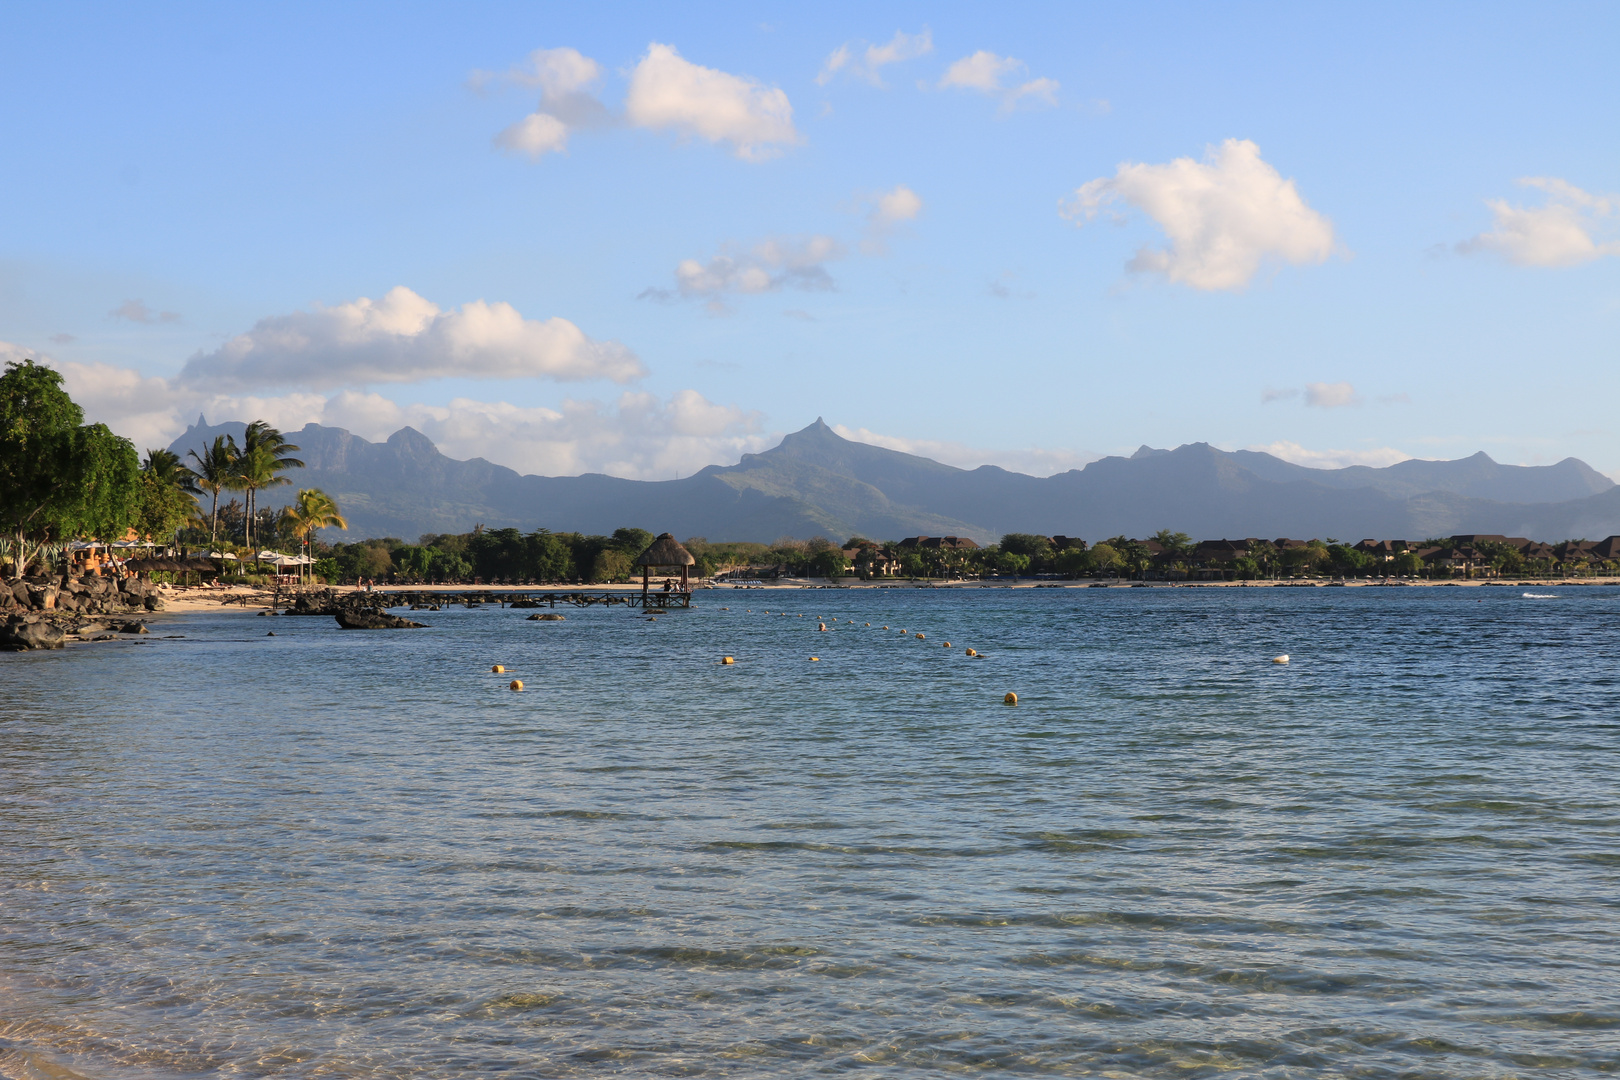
(869, 63)
(893, 207)
(888, 210)
(565, 78)
(639, 435)
(1223, 216)
(1565, 231)
(406, 338)
(670, 93)
(768, 266)
(1032, 462)
(137, 311)
(535, 135)
(987, 73)
(1332, 459)
(1336, 395)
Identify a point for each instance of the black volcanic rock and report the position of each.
(817, 482)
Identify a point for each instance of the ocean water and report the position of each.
(346, 854)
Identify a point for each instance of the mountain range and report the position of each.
(817, 483)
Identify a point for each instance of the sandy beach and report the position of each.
(184, 599)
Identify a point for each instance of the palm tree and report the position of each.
(215, 472)
(165, 466)
(260, 457)
(313, 509)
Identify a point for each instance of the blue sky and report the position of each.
(641, 240)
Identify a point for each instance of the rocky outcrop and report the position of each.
(79, 596)
(549, 616)
(30, 632)
(374, 620)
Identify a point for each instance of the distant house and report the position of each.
(1465, 559)
(1382, 550)
(1607, 549)
(937, 543)
(1220, 552)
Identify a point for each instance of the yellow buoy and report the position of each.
(970, 652)
(516, 684)
(497, 669)
(919, 637)
(947, 644)
(727, 660)
(815, 658)
(1010, 699)
(1283, 659)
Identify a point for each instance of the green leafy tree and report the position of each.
(612, 564)
(1034, 549)
(632, 541)
(1134, 555)
(1106, 557)
(1074, 562)
(166, 495)
(59, 477)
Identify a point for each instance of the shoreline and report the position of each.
(189, 599)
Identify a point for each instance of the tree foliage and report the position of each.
(59, 477)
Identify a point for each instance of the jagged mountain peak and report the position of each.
(816, 481)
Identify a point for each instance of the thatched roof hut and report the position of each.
(665, 551)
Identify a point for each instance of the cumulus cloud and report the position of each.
(1032, 462)
(868, 63)
(997, 76)
(536, 135)
(136, 311)
(1569, 228)
(1224, 216)
(565, 78)
(638, 436)
(406, 338)
(1332, 459)
(886, 212)
(670, 93)
(768, 266)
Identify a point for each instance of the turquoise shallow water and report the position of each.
(336, 854)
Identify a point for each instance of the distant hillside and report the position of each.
(815, 482)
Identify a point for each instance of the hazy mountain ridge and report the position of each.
(817, 482)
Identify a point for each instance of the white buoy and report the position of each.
(1283, 659)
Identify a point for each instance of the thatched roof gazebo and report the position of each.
(666, 553)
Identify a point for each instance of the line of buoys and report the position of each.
(1010, 699)
(516, 684)
(497, 669)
